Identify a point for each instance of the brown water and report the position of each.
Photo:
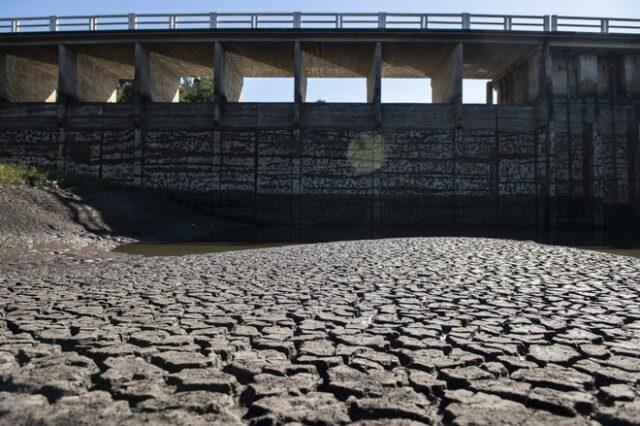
(624, 243)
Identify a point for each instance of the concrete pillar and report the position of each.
(447, 83)
(67, 74)
(521, 84)
(299, 75)
(489, 93)
(227, 85)
(27, 78)
(374, 79)
(155, 80)
(587, 74)
(4, 81)
(631, 74)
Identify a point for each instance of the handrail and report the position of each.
(319, 20)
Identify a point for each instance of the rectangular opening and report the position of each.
(124, 91)
(346, 90)
(474, 91)
(267, 89)
(196, 89)
(406, 90)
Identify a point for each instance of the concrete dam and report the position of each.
(555, 144)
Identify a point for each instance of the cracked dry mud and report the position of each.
(405, 331)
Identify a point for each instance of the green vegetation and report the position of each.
(196, 90)
(192, 89)
(124, 92)
(14, 174)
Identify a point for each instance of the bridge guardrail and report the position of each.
(334, 21)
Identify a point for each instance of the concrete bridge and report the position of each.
(558, 145)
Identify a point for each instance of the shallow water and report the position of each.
(620, 242)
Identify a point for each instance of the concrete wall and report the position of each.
(520, 85)
(415, 168)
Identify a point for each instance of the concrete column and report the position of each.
(489, 93)
(374, 79)
(27, 78)
(67, 74)
(631, 74)
(447, 84)
(521, 84)
(154, 80)
(227, 85)
(4, 80)
(299, 75)
(587, 74)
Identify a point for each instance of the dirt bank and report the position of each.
(48, 222)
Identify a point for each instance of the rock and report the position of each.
(89, 409)
(482, 409)
(606, 374)
(557, 354)
(555, 377)
(462, 377)
(617, 392)
(54, 376)
(427, 383)
(314, 408)
(203, 379)
(430, 359)
(345, 381)
(128, 368)
(197, 401)
(174, 361)
(622, 413)
(265, 385)
(396, 403)
(319, 348)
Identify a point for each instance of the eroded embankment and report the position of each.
(45, 222)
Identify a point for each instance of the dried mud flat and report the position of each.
(402, 331)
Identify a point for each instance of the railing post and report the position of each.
(604, 26)
(466, 21)
(132, 21)
(507, 23)
(213, 20)
(92, 23)
(172, 22)
(546, 23)
(297, 20)
(53, 23)
(554, 23)
(382, 20)
(15, 25)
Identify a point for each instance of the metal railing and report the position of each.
(333, 21)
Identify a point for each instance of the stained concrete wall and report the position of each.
(255, 163)
(447, 83)
(29, 76)
(520, 84)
